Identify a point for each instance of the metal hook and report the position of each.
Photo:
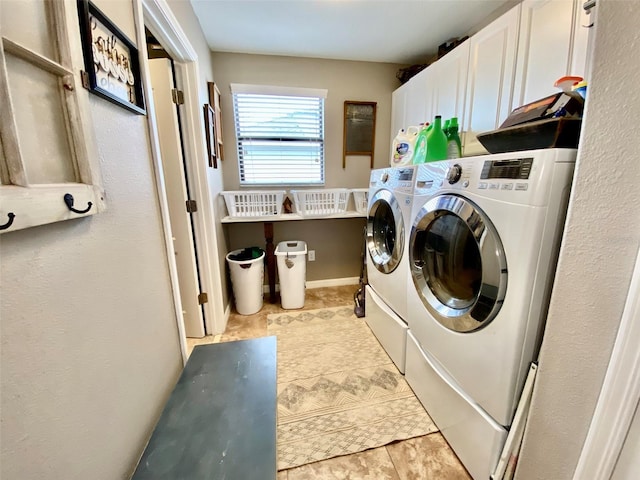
(68, 199)
(11, 216)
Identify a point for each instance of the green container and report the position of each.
(454, 145)
(436, 142)
(445, 128)
(420, 148)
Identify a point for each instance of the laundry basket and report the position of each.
(254, 203)
(360, 199)
(326, 201)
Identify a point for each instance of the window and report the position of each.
(280, 135)
(47, 163)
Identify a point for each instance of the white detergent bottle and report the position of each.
(403, 146)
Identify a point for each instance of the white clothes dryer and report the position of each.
(483, 247)
(389, 210)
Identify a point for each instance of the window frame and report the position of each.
(279, 91)
(39, 204)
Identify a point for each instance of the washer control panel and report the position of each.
(394, 178)
(524, 177)
(466, 175)
(512, 168)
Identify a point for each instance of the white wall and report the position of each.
(89, 343)
(596, 260)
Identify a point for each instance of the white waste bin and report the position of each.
(292, 269)
(247, 278)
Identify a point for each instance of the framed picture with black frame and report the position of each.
(112, 68)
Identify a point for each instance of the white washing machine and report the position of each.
(482, 252)
(388, 223)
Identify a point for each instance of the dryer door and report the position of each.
(385, 231)
(457, 263)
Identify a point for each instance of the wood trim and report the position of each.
(9, 130)
(43, 204)
(35, 58)
(77, 103)
(158, 15)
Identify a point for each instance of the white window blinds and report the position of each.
(280, 135)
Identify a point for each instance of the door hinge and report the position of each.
(84, 77)
(192, 206)
(588, 5)
(203, 298)
(177, 96)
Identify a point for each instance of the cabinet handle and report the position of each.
(68, 199)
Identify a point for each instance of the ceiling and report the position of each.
(393, 31)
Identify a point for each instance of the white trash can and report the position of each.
(247, 278)
(292, 269)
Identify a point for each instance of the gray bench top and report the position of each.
(220, 420)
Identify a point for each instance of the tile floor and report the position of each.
(423, 458)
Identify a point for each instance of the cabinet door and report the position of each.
(582, 43)
(419, 99)
(449, 77)
(492, 61)
(545, 48)
(398, 112)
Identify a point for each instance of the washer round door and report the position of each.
(385, 231)
(458, 265)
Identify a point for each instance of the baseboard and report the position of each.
(333, 282)
(330, 282)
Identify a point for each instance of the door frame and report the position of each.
(175, 179)
(158, 17)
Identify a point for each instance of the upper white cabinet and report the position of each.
(439, 89)
(492, 61)
(581, 51)
(419, 98)
(398, 110)
(513, 61)
(552, 43)
(449, 80)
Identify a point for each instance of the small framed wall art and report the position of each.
(214, 101)
(359, 129)
(112, 68)
(210, 131)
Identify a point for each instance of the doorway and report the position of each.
(181, 206)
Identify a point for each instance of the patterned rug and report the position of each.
(338, 391)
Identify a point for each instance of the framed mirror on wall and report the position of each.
(359, 129)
